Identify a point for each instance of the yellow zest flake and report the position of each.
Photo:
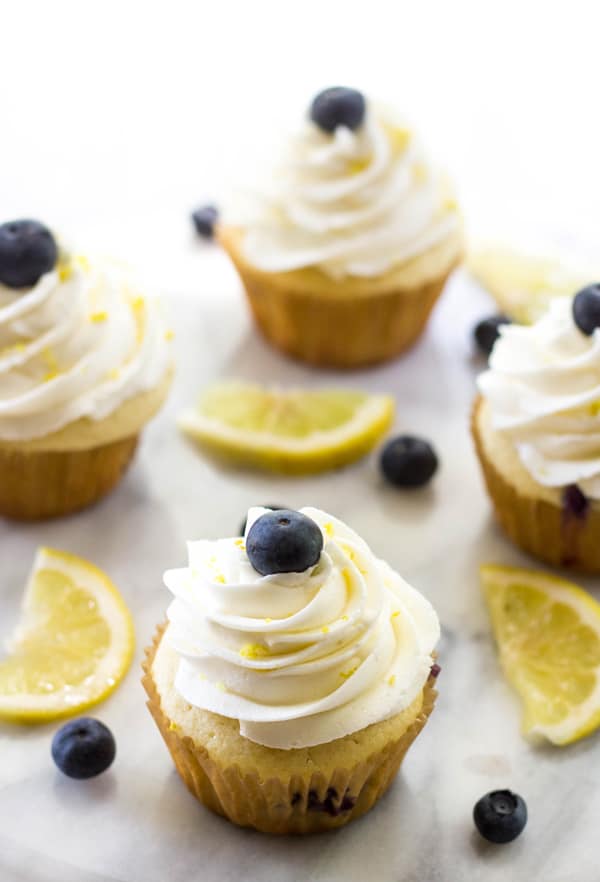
(138, 303)
(65, 271)
(173, 727)
(395, 613)
(113, 374)
(268, 620)
(220, 686)
(419, 172)
(83, 262)
(345, 674)
(451, 205)
(169, 335)
(345, 618)
(51, 375)
(356, 166)
(220, 578)
(594, 408)
(328, 528)
(254, 650)
(98, 317)
(399, 139)
(51, 363)
(240, 544)
(392, 680)
(325, 629)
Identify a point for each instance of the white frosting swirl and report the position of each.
(350, 203)
(299, 658)
(79, 343)
(543, 389)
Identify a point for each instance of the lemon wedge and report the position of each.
(548, 636)
(295, 431)
(73, 645)
(522, 285)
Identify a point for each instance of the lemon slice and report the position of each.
(522, 285)
(548, 635)
(296, 431)
(73, 645)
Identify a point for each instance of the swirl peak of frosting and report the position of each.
(543, 390)
(351, 203)
(298, 658)
(78, 343)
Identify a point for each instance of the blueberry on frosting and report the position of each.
(586, 309)
(27, 251)
(283, 541)
(338, 106)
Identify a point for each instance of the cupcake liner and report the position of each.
(297, 804)
(552, 533)
(341, 324)
(37, 484)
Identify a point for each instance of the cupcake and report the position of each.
(536, 427)
(293, 674)
(84, 364)
(345, 252)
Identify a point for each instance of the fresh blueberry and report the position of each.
(500, 816)
(27, 251)
(283, 541)
(83, 748)
(204, 219)
(407, 461)
(270, 507)
(586, 309)
(487, 331)
(338, 106)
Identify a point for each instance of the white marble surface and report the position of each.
(137, 823)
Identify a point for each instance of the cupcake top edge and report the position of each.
(542, 389)
(323, 641)
(353, 194)
(77, 337)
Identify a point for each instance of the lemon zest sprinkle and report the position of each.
(419, 171)
(83, 262)
(345, 674)
(98, 317)
(328, 528)
(254, 650)
(395, 613)
(268, 619)
(325, 629)
(65, 271)
(220, 578)
(169, 335)
(392, 680)
(221, 686)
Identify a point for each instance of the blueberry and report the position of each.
(500, 816)
(270, 507)
(338, 106)
(407, 461)
(283, 541)
(204, 219)
(487, 331)
(586, 309)
(83, 748)
(27, 251)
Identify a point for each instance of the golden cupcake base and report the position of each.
(349, 323)
(301, 791)
(35, 485)
(531, 515)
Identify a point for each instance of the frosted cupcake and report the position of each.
(537, 432)
(294, 673)
(84, 364)
(344, 253)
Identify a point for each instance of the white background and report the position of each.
(117, 117)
